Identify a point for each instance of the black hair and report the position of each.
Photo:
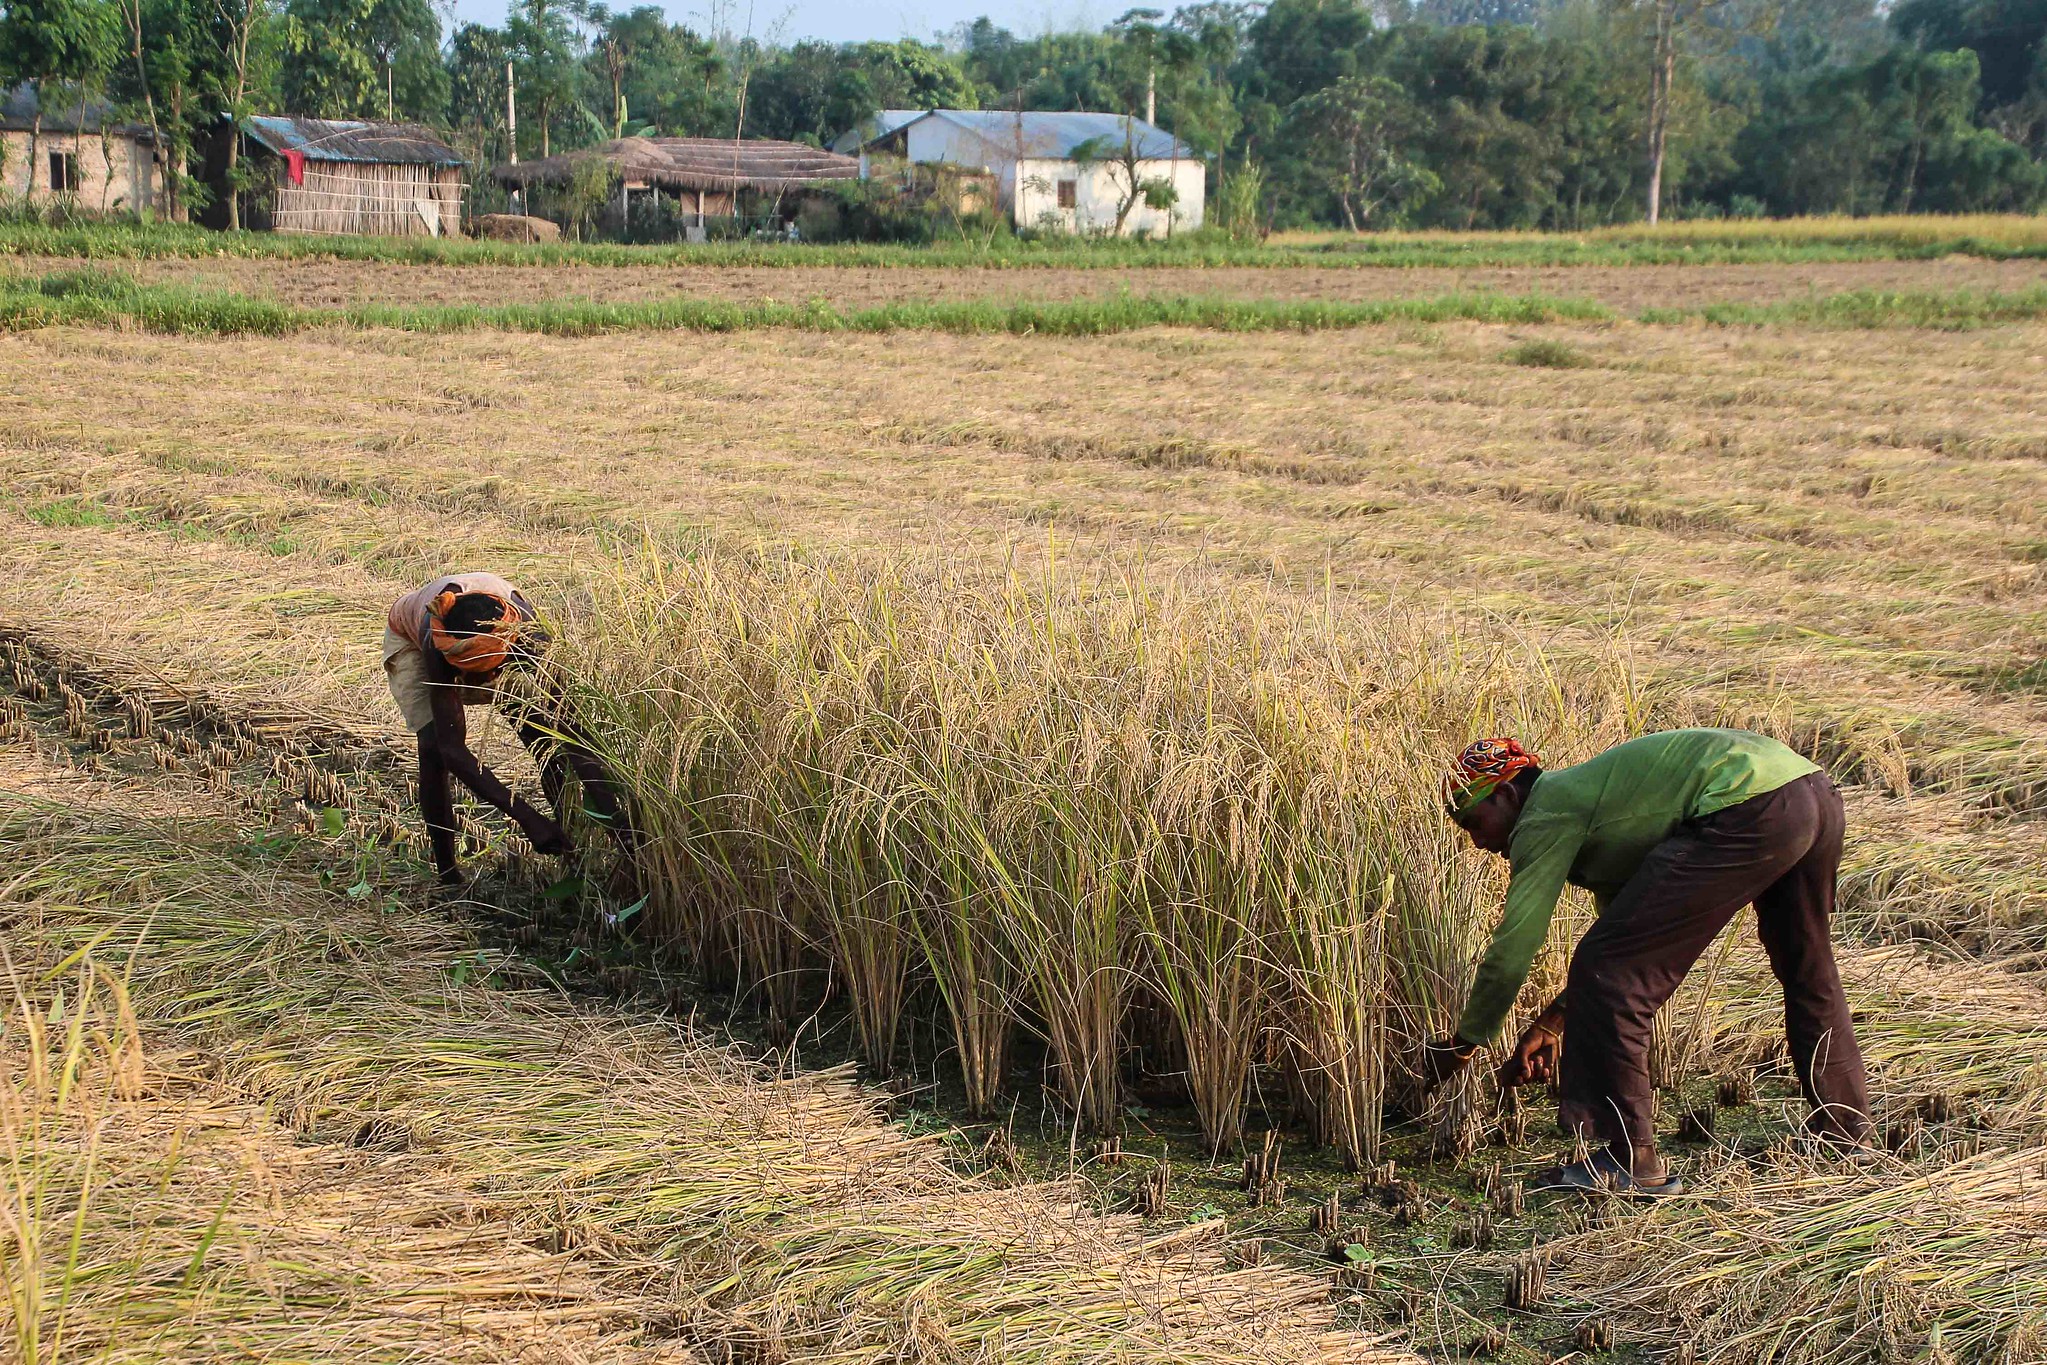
(474, 613)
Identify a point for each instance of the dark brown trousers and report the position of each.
(1779, 851)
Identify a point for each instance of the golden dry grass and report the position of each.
(1843, 529)
(309, 1138)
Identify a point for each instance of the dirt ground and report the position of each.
(1629, 288)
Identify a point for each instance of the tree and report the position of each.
(1673, 26)
(676, 79)
(238, 28)
(475, 62)
(1125, 158)
(2009, 38)
(181, 70)
(1364, 127)
(1292, 49)
(1196, 100)
(1457, 13)
(544, 62)
(143, 88)
(1894, 134)
(612, 49)
(365, 59)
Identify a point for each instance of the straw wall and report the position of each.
(371, 199)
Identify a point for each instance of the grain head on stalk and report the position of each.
(1056, 797)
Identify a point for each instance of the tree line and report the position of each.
(1425, 113)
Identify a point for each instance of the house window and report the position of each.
(63, 172)
(1069, 193)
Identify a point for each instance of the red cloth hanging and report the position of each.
(296, 162)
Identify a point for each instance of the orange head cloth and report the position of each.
(1483, 765)
(484, 652)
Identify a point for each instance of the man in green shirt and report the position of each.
(1673, 834)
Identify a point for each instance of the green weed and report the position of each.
(1546, 353)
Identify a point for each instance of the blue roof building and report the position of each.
(1055, 171)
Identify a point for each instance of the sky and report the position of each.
(838, 21)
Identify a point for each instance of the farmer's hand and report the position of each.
(543, 832)
(549, 838)
(1444, 1059)
(1534, 1059)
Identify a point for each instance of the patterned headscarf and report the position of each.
(1483, 765)
(484, 652)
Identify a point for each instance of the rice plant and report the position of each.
(1797, 240)
(1056, 798)
(70, 1052)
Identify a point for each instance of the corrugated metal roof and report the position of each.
(874, 128)
(18, 114)
(1055, 136)
(694, 163)
(323, 139)
(888, 120)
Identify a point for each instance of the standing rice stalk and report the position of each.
(1059, 795)
(1207, 932)
(70, 1051)
(971, 892)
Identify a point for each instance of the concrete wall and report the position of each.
(1027, 182)
(122, 182)
(1099, 189)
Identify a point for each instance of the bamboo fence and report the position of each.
(380, 199)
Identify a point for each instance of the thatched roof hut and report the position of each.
(349, 176)
(696, 164)
(713, 177)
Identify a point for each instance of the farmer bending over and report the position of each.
(1673, 834)
(448, 645)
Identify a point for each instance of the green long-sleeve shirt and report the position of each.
(1593, 824)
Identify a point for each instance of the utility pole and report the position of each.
(1151, 93)
(512, 125)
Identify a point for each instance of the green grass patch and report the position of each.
(67, 513)
(1803, 241)
(1947, 311)
(96, 298)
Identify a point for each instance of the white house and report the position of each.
(1071, 172)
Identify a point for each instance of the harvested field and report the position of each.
(1008, 610)
(1846, 523)
(318, 283)
(267, 1127)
